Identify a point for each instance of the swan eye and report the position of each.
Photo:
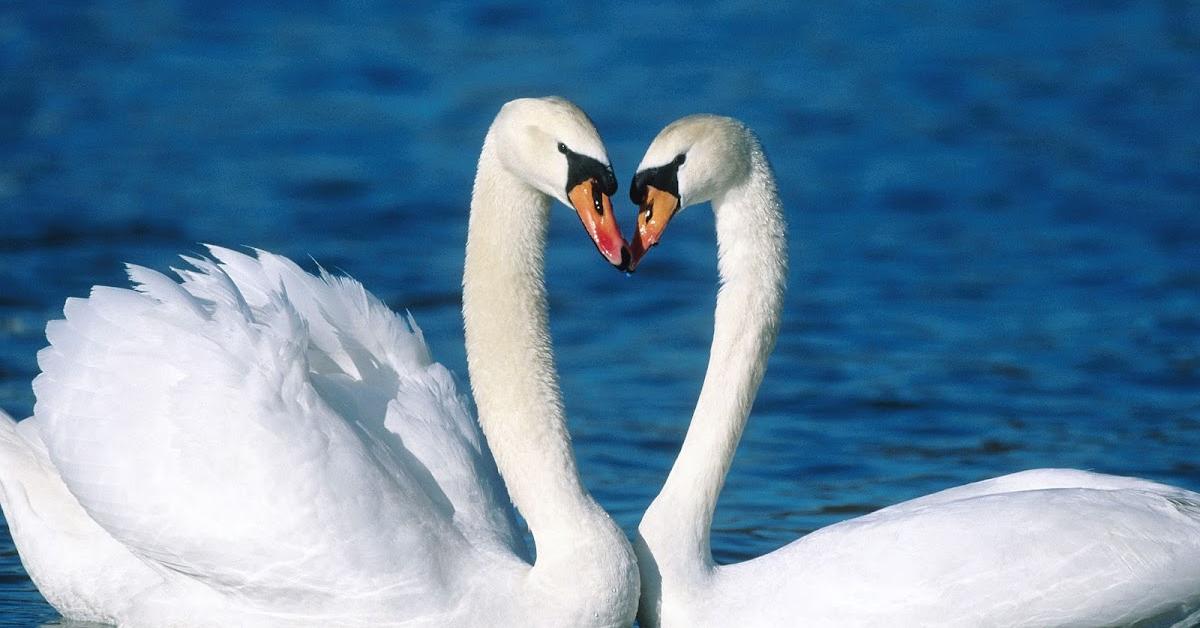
(679, 159)
(562, 148)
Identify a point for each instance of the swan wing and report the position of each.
(364, 356)
(214, 429)
(1033, 480)
(1047, 556)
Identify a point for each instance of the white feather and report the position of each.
(1040, 548)
(259, 446)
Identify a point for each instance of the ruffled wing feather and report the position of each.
(262, 429)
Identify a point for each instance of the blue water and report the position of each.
(993, 209)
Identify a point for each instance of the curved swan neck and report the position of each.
(752, 249)
(511, 362)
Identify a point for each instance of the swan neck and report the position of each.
(752, 250)
(511, 364)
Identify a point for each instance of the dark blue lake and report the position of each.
(994, 212)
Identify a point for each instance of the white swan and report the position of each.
(262, 447)
(1040, 548)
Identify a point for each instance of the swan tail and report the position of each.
(15, 459)
(8, 430)
(77, 567)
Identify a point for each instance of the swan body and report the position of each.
(1048, 547)
(260, 446)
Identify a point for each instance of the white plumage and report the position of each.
(1049, 547)
(259, 446)
(268, 434)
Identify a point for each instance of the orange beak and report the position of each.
(657, 210)
(595, 210)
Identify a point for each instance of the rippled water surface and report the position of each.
(993, 207)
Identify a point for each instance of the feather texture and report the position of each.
(267, 432)
(260, 446)
(1049, 547)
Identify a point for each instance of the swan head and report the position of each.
(693, 160)
(553, 146)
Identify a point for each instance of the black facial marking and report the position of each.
(580, 168)
(664, 177)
